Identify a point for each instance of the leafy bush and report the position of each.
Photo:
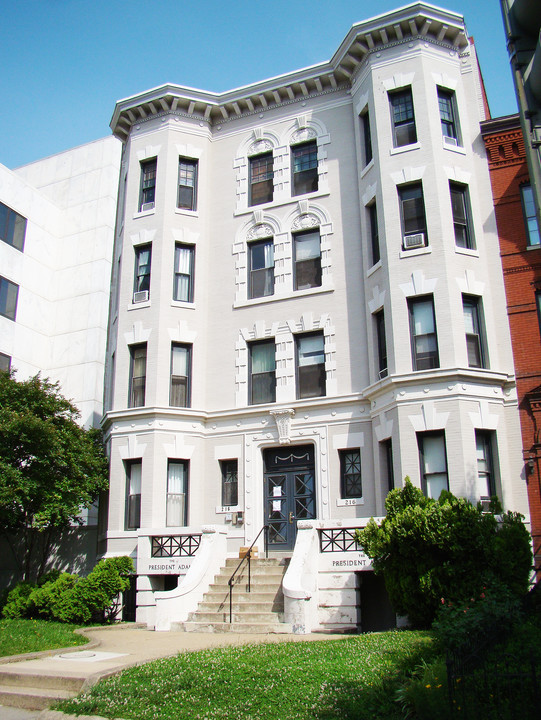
(69, 598)
(427, 549)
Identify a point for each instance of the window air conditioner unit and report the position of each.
(147, 206)
(414, 241)
(383, 373)
(451, 141)
(141, 296)
(485, 503)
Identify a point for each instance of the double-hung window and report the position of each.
(261, 179)
(350, 473)
(374, 232)
(433, 462)
(486, 485)
(262, 372)
(138, 375)
(187, 184)
(412, 215)
(183, 273)
(261, 268)
(379, 319)
(133, 494)
(473, 324)
(366, 137)
(310, 357)
(403, 118)
(177, 493)
(448, 116)
(460, 205)
(147, 193)
(181, 365)
(307, 260)
(387, 466)
(304, 168)
(12, 227)
(230, 482)
(5, 362)
(424, 341)
(9, 293)
(530, 219)
(141, 283)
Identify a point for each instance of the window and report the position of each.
(448, 116)
(350, 473)
(9, 293)
(460, 204)
(474, 331)
(424, 341)
(133, 494)
(412, 214)
(307, 260)
(261, 179)
(261, 268)
(530, 219)
(181, 362)
(374, 232)
(486, 486)
(147, 193)
(403, 119)
(386, 457)
(379, 319)
(187, 184)
(538, 305)
(183, 277)
(262, 372)
(304, 166)
(230, 482)
(138, 375)
(5, 363)
(433, 460)
(310, 357)
(366, 137)
(12, 227)
(141, 283)
(177, 493)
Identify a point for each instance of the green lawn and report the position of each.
(352, 678)
(25, 636)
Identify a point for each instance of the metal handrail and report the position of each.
(264, 529)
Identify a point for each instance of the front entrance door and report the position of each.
(289, 493)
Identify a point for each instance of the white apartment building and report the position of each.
(57, 219)
(307, 306)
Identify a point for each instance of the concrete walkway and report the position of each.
(111, 649)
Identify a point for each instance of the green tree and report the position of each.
(50, 467)
(447, 548)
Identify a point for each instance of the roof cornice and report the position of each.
(416, 21)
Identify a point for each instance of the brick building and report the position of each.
(520, 249)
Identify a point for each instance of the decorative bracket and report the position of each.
(283, 424)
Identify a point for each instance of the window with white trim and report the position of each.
(424, 339)
(412, 216)
(187, 184)
(433, 462)
(138, 375)
(304, 170)
(350, 473)
(12, 227)
(530, 219)
(9, 294)
(448, 116)
(261, 268)
(310, 363)
(147, 192)
(183, 273)
(230, 482)
(141, 280)
(181, 365)
(462, 221)
(262, 371)
(133, 494)
(261, 179)
(307, 259)
(402, 117)
(177, 493)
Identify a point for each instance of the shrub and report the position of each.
(17, 603)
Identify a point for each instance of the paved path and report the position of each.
(119, 646)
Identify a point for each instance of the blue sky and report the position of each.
(64, 63)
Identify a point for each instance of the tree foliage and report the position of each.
(448, 548)
(50, 467)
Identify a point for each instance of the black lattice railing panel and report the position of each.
(175, 545)
(338, 540)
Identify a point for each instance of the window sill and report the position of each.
(367, 168)
(346, 502)
(453, 148)
(416, 251)
(146, 213)
(183, 304)
(373, 269)
(136, 306)
(276, 298)
(466, 251)
(537, 246)
(188, 213)
(405, 148)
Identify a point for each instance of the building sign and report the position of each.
(351, 561)
(163, 566)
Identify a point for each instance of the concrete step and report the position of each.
(239, 627)
(255, 578)
(261, 585)
(238, 617)
(210, 606)
(256, 594)
(26, 678)
(32, 698)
